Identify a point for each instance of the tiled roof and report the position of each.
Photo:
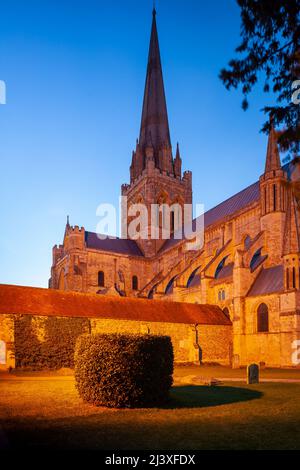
(48, 302)
(268, 281)
(232, 205)
(115, 245)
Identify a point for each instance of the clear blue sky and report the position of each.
(75, 73)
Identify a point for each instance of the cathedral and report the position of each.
(249, 264)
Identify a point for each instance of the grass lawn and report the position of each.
(47, 413)
(228, 372)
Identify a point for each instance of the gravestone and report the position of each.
(253, 374)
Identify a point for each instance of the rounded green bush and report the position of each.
(122, 371)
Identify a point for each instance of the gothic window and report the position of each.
(274, 197)
(266, 206)
(262, 319)
(287, 279)
(221, 295)
(135, 283)
(294, 278)
(100, 279)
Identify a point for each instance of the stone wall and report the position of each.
(6, 342)
(213, 341)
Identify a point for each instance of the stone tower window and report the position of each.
(101, 279)
(274, 197)
(294, 278)
(262, 319)
(135, 283)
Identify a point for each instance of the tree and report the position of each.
(270, 49)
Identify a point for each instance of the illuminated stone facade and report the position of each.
(248, 266)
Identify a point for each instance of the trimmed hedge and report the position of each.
(124, 371)
(56, 351)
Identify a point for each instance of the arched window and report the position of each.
(2, 352)
(221, 295)
(266, 203)
(294, 278)
(226, 312)
(101, 279)
(135, 283)
(262, 319)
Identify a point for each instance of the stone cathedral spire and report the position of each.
(155, 177)
(273, 190)
(155, 124)
(273, 158)
(154, 141)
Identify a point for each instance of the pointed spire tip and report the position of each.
(154, 9)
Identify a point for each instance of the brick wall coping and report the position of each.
(50, 302)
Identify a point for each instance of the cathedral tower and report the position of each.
(155, 176)
(273, 190)
(291, 245)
